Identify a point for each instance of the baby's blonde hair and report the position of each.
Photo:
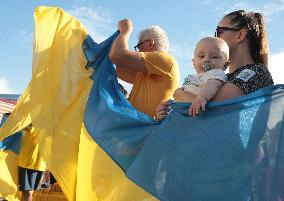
(219, 41)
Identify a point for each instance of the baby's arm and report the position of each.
(207, 92)
(180, 95)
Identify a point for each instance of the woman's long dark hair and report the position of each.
(256, 33)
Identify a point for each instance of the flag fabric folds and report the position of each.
(9, 150)
(12, 142)
(54, 102)
(211, 157)
(9, 175)
(54, 92)
(225, 153)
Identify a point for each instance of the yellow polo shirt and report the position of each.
(157, 85)
(29, 156)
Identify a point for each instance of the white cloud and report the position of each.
(269, 9)
(98, 22)
(241, 6)
(179, 51)
(203, 34)
(207, 2)
(273, 8)
(26, 38)
(276, 67)
(183, 55)
(4, 86)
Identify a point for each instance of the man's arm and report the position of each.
(120, 54)
(126, 75)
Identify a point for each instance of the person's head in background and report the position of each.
(245, 35)
(153, 38)
(211, 53)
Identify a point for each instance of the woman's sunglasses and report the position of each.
(220, 30)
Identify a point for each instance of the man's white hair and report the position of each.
(157, 34)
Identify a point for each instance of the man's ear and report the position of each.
(152, 43)
(241, 35)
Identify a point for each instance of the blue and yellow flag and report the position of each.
(19, 149)
(9, 150)
(51, 96)
(233, 151)
(216, 156)
(55, 103)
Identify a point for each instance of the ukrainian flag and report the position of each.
(213, 157)
(55, 101)
(233, 151)
(19, 149)
(9, 149)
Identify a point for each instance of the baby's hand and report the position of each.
(197, 104)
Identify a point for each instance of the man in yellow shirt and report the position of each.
(152, 71)
(154, 74)
(31, 165)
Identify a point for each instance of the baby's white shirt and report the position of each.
(193, 83)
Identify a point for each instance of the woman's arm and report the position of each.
(228, 91)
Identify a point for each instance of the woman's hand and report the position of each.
(198, 103)
(163, 110)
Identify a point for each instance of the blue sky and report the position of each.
(185, 22)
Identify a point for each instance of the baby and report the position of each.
(211, 58)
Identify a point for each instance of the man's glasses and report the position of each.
(137, 46)
(220, 30)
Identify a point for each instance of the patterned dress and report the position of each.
(251, 77)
